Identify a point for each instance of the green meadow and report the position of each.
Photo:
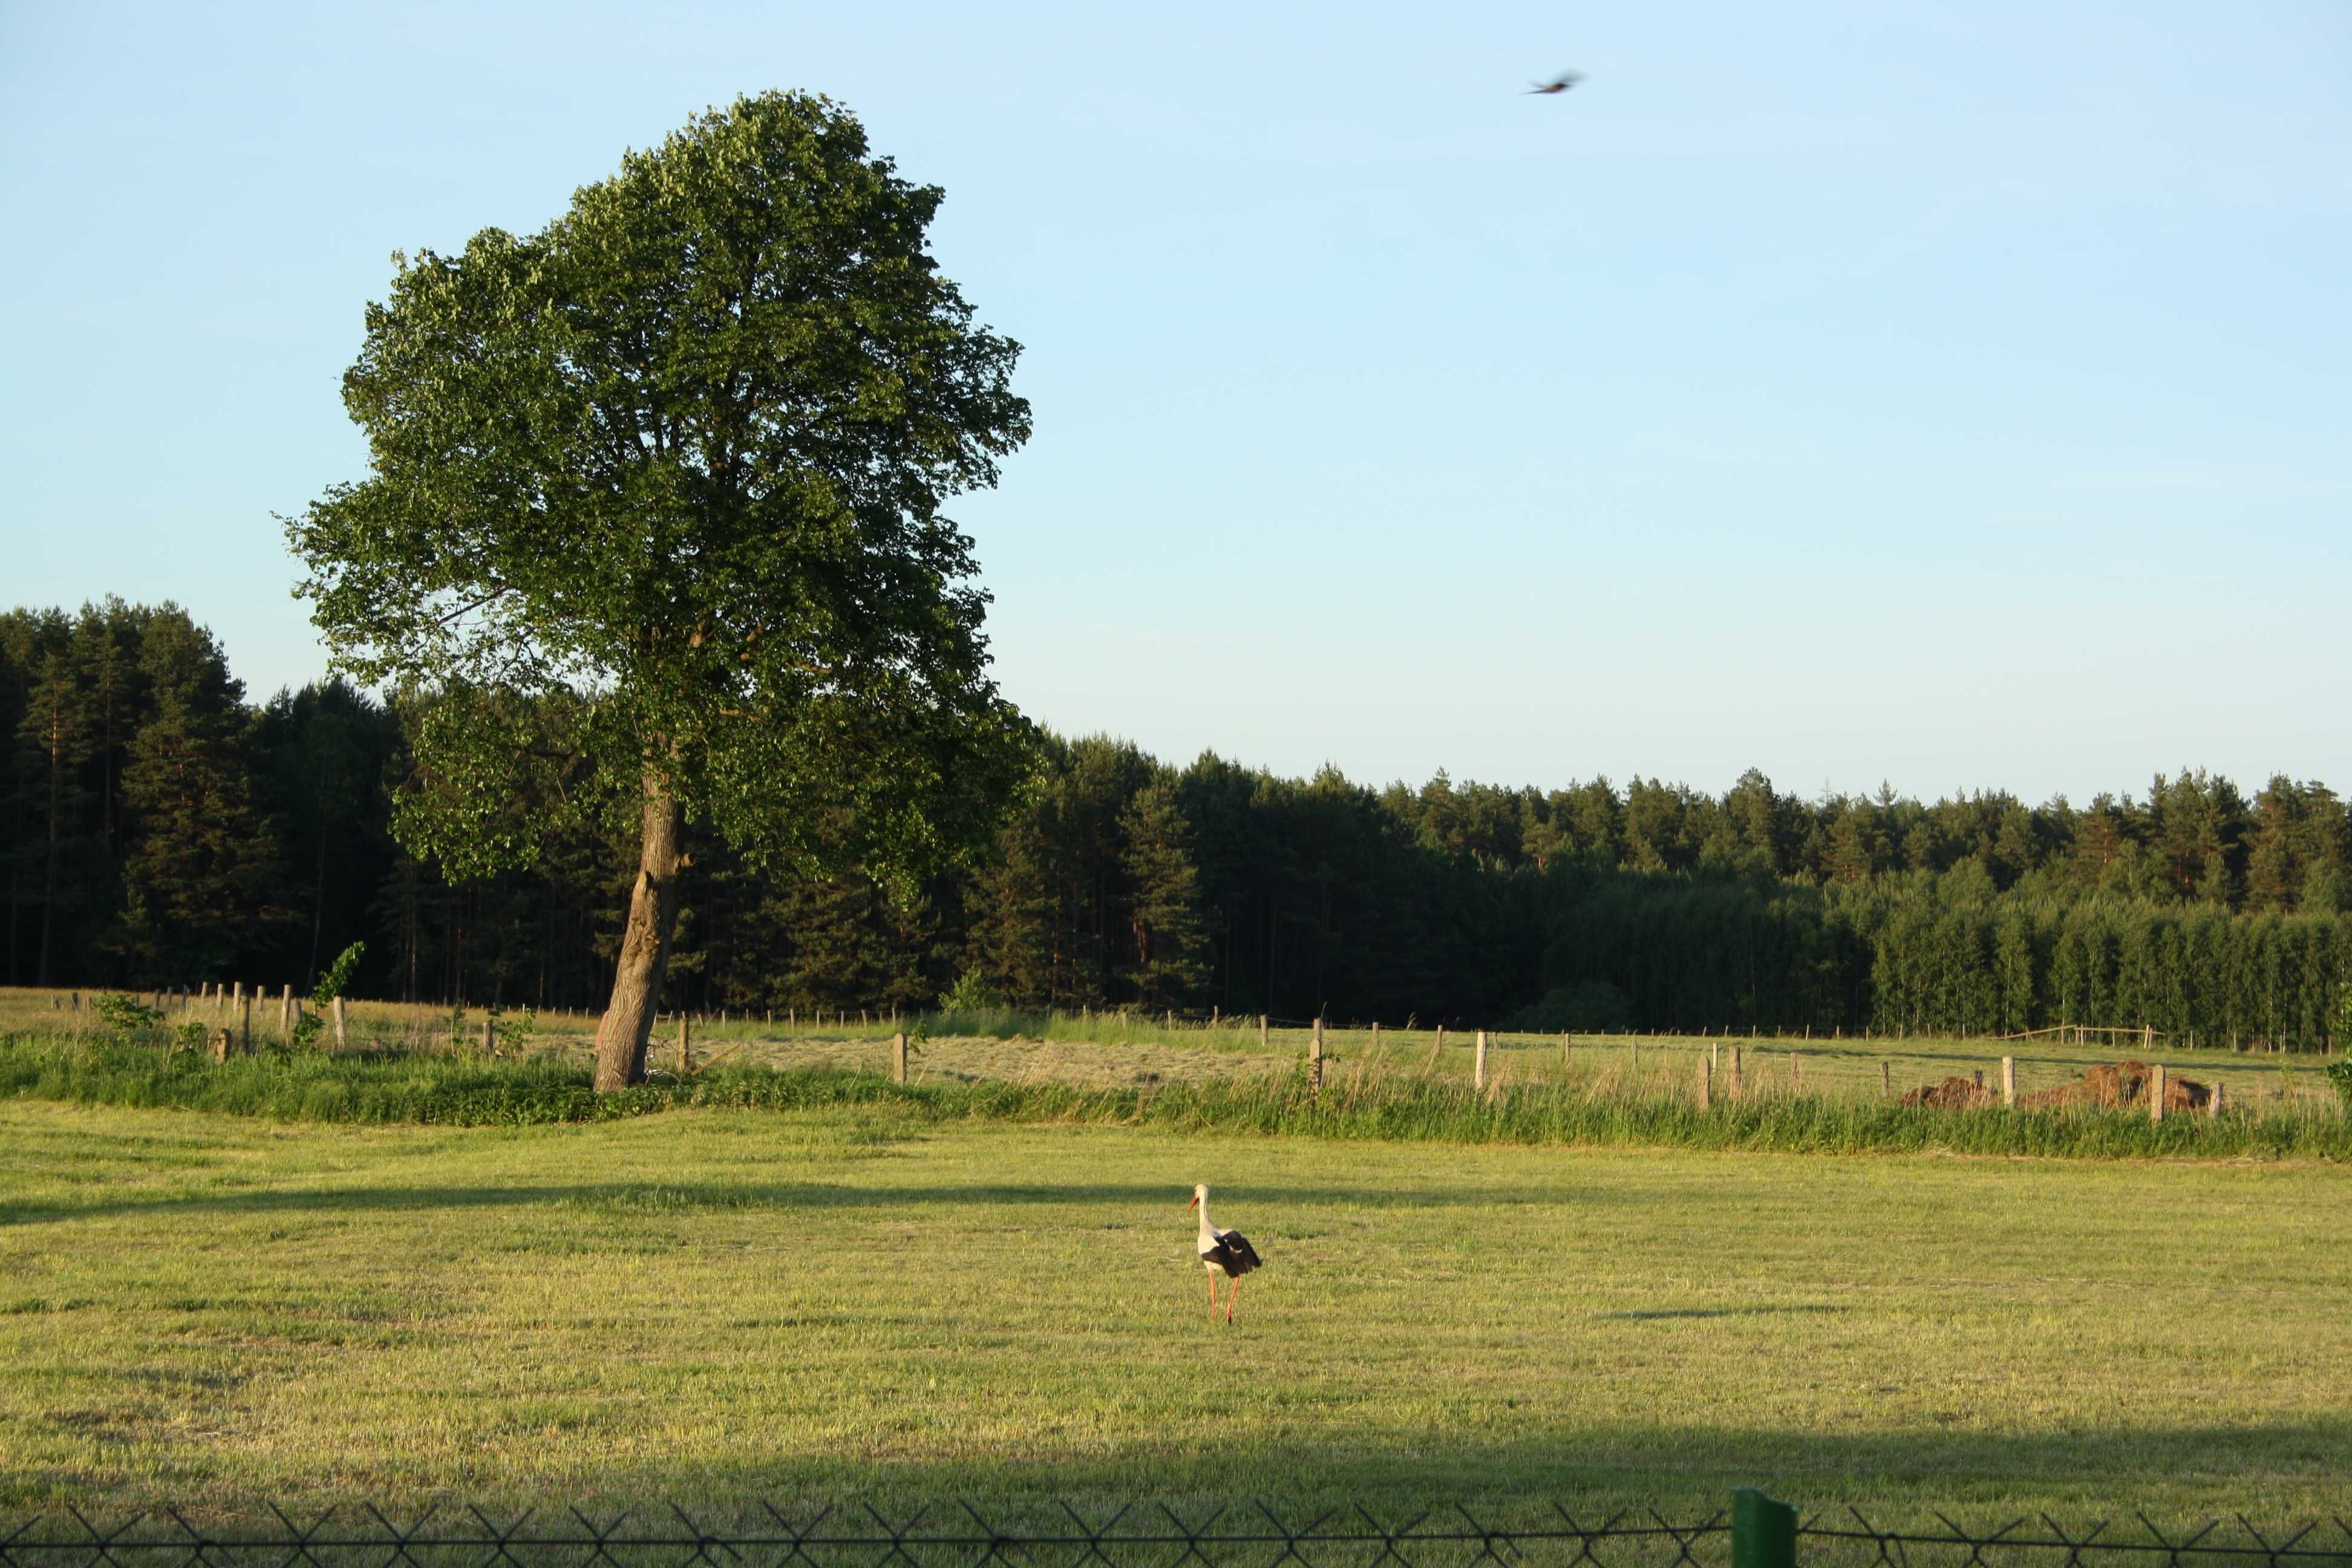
(861, 1301)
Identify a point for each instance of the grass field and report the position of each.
(709, 1305)
(1109, 1050)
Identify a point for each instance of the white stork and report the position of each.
(1225, 1251)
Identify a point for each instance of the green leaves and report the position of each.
(674, 467)
(125, 1013)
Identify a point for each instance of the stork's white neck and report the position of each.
(1208, 1231)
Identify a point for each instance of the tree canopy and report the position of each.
(653, 525)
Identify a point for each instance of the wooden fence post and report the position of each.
(1706, 1083)
(221, 1044)
(1315, 1057)
(898, 1056)
(2213, 1102)
(286, 1009)
(2156, 1092)
(342, 1032)
(1566, 1040)
(1886, 1081)
(2009, 1081)
(1739, 1077)
(1376, 1036)
(1264, 1033)
(1478, 1068)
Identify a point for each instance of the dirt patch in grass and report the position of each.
(2106, 1086)
(2122, 1086)
(1952, 1094)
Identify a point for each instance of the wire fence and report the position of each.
(1754, 1532)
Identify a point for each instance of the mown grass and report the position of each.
(1363, 1100)
(1112, 1050)
(868, 1302)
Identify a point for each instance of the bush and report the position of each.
(322, 995)
(513, 1030)
(125, 1013)
(970, 994)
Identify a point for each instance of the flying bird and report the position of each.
(1221, 1251)
(1559, 83)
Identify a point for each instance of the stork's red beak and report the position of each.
(1192, 1203)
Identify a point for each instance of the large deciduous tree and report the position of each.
(654, 518)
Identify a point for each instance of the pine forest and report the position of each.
(159, 829)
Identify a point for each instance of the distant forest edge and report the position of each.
(162, 830)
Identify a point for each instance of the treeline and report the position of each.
(160, 828)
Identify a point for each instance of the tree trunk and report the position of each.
(644, 946)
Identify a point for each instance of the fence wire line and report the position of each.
(1153, 1536)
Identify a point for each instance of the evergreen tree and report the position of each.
(1163, 968)
(1857, 849)
(106, 650)
(53, 740)
(202, 877)
(327, 753)
(1019, 936)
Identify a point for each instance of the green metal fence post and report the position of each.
(1763, 1532)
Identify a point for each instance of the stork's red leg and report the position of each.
(1212, 1291)
(1233, 1294)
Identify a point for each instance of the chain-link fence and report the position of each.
(1754, 1532)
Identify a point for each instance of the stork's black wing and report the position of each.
(1232, 1253)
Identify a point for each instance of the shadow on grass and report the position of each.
(2277, 1474)
(1690, 1469)
(1755, 1311)
(654, 1196)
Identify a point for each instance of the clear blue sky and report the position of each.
(1954, 396)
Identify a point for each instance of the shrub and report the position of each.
(125, 1013)
(970, 994)
(322, 995)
